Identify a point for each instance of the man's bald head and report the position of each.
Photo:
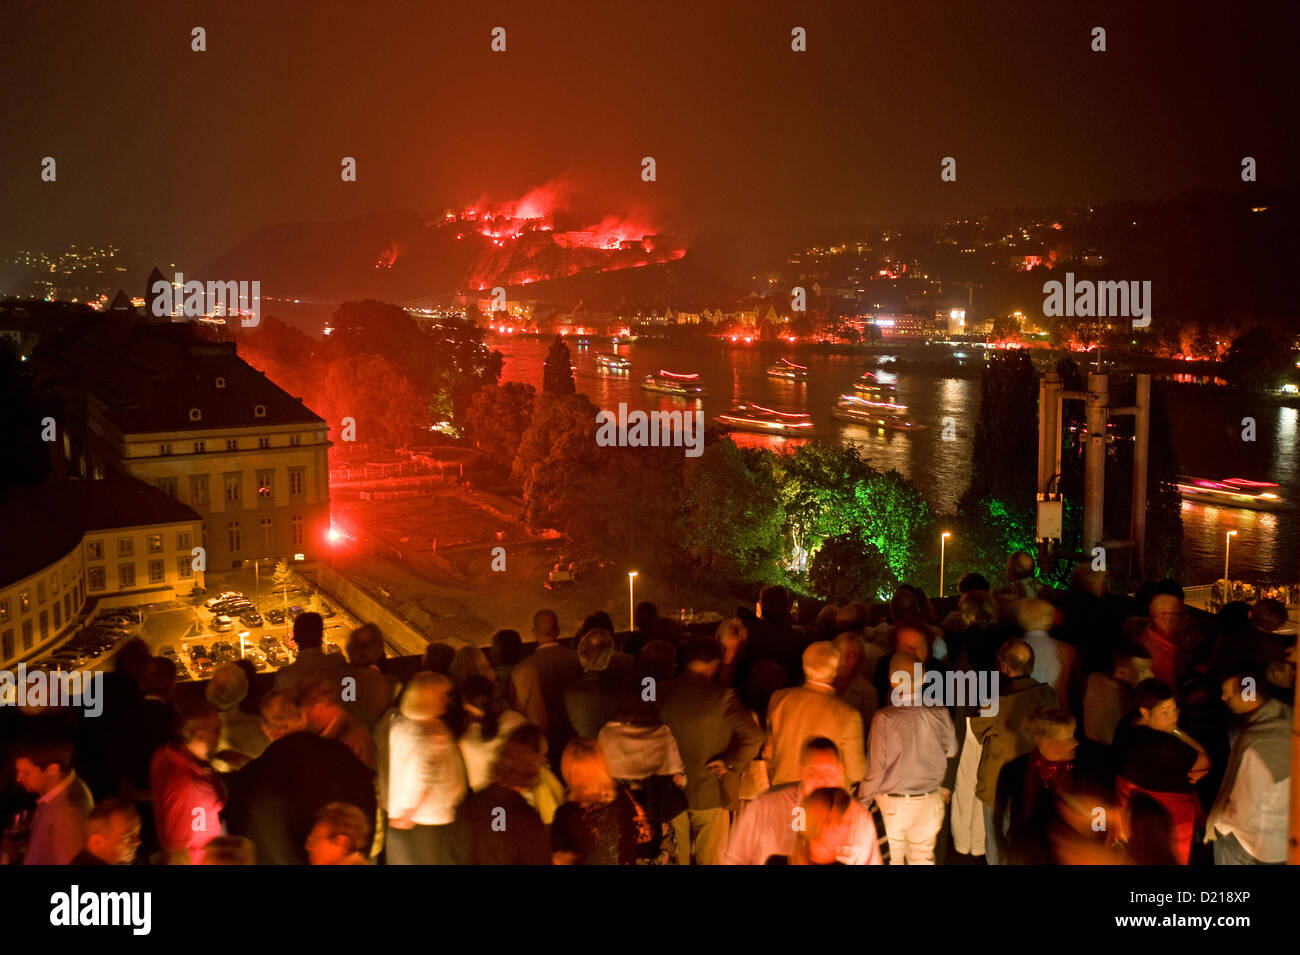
(1167, 614)
(546, 626)
(901, 669)
(1016, 658)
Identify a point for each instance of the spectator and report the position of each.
(1025, 807)
(469, 661)
(658, 661)
(229, 850)
(145, 726)
(826, 828)
(1164, 639)
(374, 691)
(538, 682)
(488, 724)
(772, 635)
(327, 718)
(426, 777)
(188, 794)
(275, 798)
(1108, 698)
(496, 825)
(1021, 580)
(600, 824)
(241, 737)
(851, 685)
(339, 836)
(733, 638)
(795, 715)
(999, 730)
(911, 744)
(1248, 822)
(112, 834)
(591, 700)
(1055, 663)
(763, 829)
(312, 663)
(717, 738)
(438, 657)
(1153, 756)
(43, 767)
(507, 650)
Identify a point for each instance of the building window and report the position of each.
(58, 615)
(167, 485)
(232, 531)
(200, 447)
(40, 591)
(259, 411)
(96, 578)
(199, 490)
(263, 442)
(126, 547)
(7, 645)
(232, 488)
(76, 593)
(125, 576)
(27, 634)
(67, 606)
(268, 535)
(25, 602)
(184, 540)
(295, 482)
(156, 573)
(264, 488)
(45, 625)
(296, 524)
(295, 440)
(155, 543)
(232, 444)
(183, 570)
(4, 611)
(164, 449)
(95, 550)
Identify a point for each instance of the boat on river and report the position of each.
(675, 384)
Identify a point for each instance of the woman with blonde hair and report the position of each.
(823, 829)
(426, 778)
(600, 824)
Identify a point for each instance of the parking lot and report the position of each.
(197, 635)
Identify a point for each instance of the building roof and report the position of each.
(43, 522)
(150, 375)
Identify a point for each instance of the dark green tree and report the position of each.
(847, 568)
(1259, 360)
(497, 418)
(731, 523)
(1004, 459)
(23, 409)
(557, 375)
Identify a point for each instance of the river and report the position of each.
(1205, 419)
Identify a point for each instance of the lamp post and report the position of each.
(943, 540)
(1227, 550)
(631, 601)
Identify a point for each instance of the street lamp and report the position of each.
(943, 540)
(1227, 550)
(631, 601)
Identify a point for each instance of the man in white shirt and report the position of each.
(1248, 822)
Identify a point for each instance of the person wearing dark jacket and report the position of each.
(591, 701)
(1029, 786)
(496, 825)
(717, 738)
(275, 798)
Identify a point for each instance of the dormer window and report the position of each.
(196, 414)
(259, 411)
(221, 382)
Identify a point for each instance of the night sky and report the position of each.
(163, 150)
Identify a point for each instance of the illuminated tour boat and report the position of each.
(788, 370)
(612, 364)
(751, 417)
(868, 386)
(672, 383)
(1233, 492)
(864, 410)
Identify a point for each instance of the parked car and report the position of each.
(203, 668)
(251, 618)
(198, 652)
(222, 598)
(168, 651)
(275, 615)
(267, 642)
(332, 647)
(278, 656)
(295, 612)
(70, 658)
(222, 624)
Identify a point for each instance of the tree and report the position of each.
(1004, 459)
(896, 521)
(731, 523)
(497, 418)
(557, 376)
(559, 442)
(1258, 360)
(23, 409)
(847, 568)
